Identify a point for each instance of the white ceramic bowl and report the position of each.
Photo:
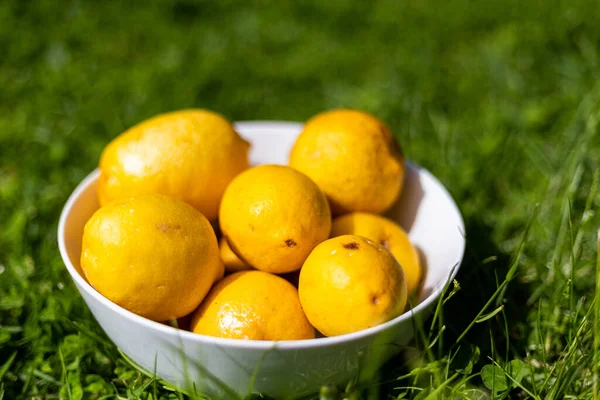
(286, 368)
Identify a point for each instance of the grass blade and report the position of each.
(596, 366)
(509, 276)
(7, 365)
(489, 315)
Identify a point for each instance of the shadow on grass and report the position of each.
(484, 267)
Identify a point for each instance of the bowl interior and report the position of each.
(425, 210)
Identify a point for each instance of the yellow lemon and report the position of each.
(273, 216)
(350, 283)
(252, 305)
(353, 158)
(153, 255)
(388, 234)
(191, 155)
(231, 261)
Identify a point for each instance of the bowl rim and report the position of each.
(82, 284)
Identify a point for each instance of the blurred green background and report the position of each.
(499, 99)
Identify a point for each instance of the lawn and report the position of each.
(499, 100)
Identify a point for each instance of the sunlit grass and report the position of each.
(500, 100)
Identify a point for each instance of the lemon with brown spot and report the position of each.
(350, 283)
(273, 216)
(388, 234)
(231, 260)
(252, 305)
(191, 155)
(153, 255)
(353, 157)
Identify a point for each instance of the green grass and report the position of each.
(500, 100)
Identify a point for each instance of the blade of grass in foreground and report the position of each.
(192, 394)
(7, 365)
(509, 276)
(64, 377)
(515, 382)
(597, 320)
(567, 366)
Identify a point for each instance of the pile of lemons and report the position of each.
(187, 229)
